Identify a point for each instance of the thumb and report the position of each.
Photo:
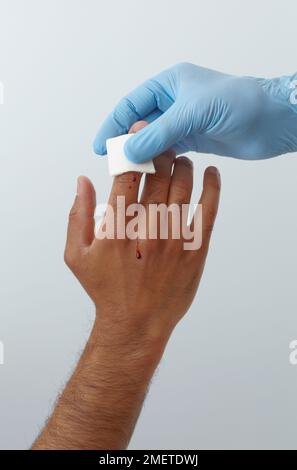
(158, 136)
(80, 232)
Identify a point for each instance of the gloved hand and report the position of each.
(194, 108)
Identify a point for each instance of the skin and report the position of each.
(138, 303)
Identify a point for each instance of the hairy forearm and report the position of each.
(101, 402)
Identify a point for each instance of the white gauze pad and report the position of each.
(118, 163)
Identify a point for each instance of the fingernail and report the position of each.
(213, 170)
(215, 173)
(185, 160)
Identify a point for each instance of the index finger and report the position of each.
(127, 184)
(146, 100)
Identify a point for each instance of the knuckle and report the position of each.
(155, 197)
(181, 193)
(126, 178)
(123, 108)
(185, 161)
(126, 104)
(73, 211)
(180, 201)
(71, 258)
(209, 221)
(159, 179)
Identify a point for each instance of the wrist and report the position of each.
(138, 341)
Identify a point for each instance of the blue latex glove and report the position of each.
(194, 108)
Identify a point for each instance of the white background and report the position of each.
(225, 380)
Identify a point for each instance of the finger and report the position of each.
(209, 202)
(156, 186)
(127, 184)
(80, 232)
(180, 195)
(143, 101)
(181, 182)
(160, 135)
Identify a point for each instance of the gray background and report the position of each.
(225, 380)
